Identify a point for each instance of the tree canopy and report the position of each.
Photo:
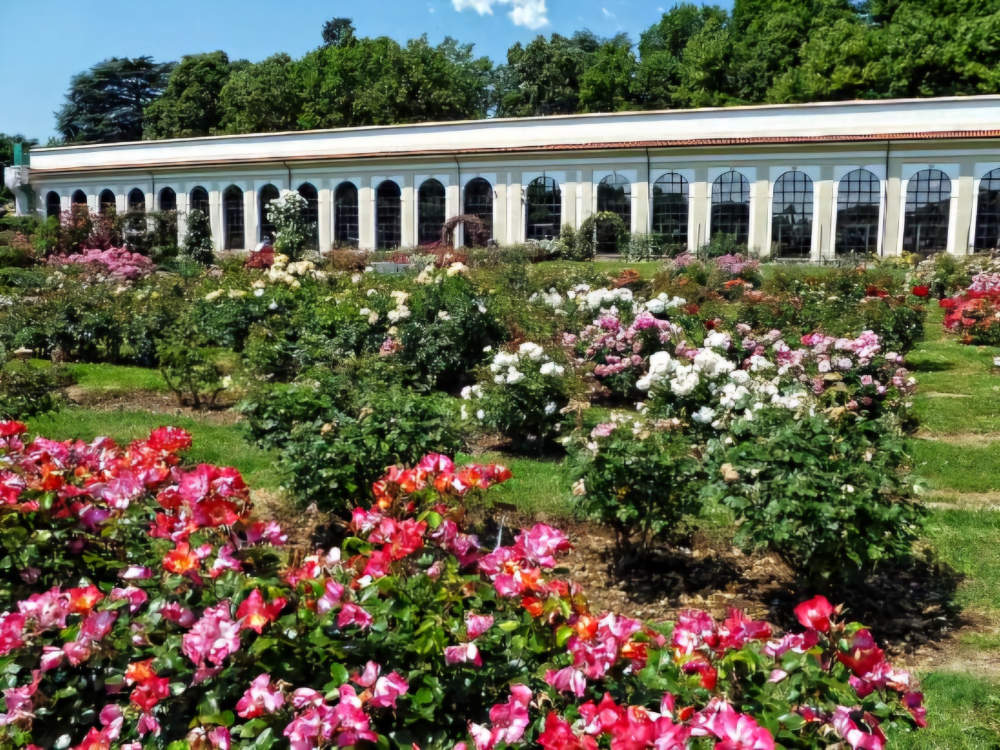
(762, 51)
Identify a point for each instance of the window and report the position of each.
(265, 195)
(232, 218)
(430, 212)
(53, 204)
(106, 203)
(345, 215)
(136, 201)
(731, 206)
(614, 194)
(858, 200)
(543, 209)
(928, 204)
(388, 216)
(168, 199)
(988, 213)
(79, 198)
(199, 200)
(670, 210)
(479, 203)
(792, 215)
(308, 191)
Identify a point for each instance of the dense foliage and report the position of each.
(143, 606)
(759, 52)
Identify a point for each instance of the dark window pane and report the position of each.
(928, 203)
(543, 209)
(106, 202)
(731, 206)
(791, 215)
(670, 210)
(859, 199)
(53, 205)
(988, 213)
(136, 200)
(388, 216)
(308, 191)
(232, 212)
(614, 194)
(168, 199)
(430, 212)
(265, 195)
(479, 203)
(79, 198)
(345, 219)
(199, 200)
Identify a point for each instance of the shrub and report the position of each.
(198, 240)
(192, 372)
(824, 492)
(640, 477)
(522, 396)
(115, 263)
(27, 390)
(292, 232)
(160, 616)
(595, 226)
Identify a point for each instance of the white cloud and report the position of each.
(607, 13)
(531, 14)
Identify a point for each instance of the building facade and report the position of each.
(798, 181)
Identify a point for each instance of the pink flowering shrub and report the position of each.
(619, 351)
(115, 263)
(142, 607)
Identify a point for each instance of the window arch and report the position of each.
(479, 203)
(987, 235)
(199, 200)
(792, 215)
(308, 191)
(232, 218)
(928, 205)
(53, 203)
(731, 206)
(614, 194)
(543, 209)
(859, 197)
(670, 210)
(388, 216)
(79, 198)
(106, 202)
(265, 195)
(168, 199)
(345, 215)
(430, 211)
(136, 200)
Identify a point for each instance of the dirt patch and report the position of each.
(959, 438)
(943, 499)
(156, 402)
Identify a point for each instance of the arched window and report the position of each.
(928, 204)
(308, 191)
(79, 198)
(199, 200)
(136, 201)
(53, 204)
(792, 215)
(543, 209)
(430, 212)
(265, 195)
(614, 194)
(232, 218)
(731, 206)
(988, 213)
(345, 215)
(670, 210)
(479, 203)
(106, 203)
(858, 199)
(168, 199)
(388, 216)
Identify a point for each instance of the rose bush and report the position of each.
(143, 607)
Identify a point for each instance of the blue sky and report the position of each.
(45, 43)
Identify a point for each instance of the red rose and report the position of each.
(921, 290)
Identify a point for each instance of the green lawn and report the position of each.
(111, 379)
(963, 714)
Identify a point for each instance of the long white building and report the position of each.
(804, 180)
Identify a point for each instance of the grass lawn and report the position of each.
(111, 379)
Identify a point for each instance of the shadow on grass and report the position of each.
(915, 364)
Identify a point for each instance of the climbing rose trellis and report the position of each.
(144, 607)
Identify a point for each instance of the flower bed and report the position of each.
(115, 263)
(142, 601)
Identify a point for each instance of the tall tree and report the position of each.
(106, 103)
(338, 32)
(262, 97)
(606, 84)
(190, 105)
